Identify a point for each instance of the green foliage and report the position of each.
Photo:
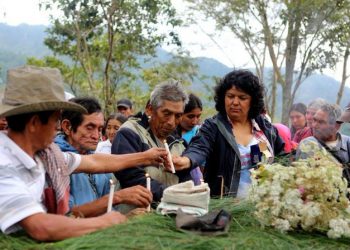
(291, 34)
(179, 67)
(154, 231)
(104, 38)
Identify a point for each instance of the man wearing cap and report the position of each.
(325, 126)
(34, 171)
(124, 106)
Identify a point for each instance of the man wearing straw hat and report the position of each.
(34, 171)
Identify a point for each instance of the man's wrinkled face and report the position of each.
(166, 118)
(322, 129)
(310, 112)
(88, 133)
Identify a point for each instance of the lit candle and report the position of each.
(110, 197)
(148, 185)
(170, 158)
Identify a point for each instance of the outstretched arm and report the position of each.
(52, 227)
(136, 195)
(200, 147)
(108, 163)
(180, 163)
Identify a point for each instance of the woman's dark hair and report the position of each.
(245, 81)
(193, 102)
(299, 107)
(117, 116)
(76, 118)
(18, 122)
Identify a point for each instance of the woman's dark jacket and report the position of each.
(221, 154)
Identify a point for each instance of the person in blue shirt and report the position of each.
(89, 192)
(189, 127)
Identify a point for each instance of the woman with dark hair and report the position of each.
(231, 142)
(297, 117)
(189, 127)
(189, 124)
(111, 127)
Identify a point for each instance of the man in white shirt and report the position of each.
(32, 102)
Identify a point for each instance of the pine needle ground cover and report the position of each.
(154, 231)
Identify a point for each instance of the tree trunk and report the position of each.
(286, 103)
(269, 40)
(274, 95)
(292, 44)
(344, 74)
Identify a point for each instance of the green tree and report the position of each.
(340, 35)
(291, 32)
(180, 67)
(104, 38)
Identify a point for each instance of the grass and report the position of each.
(154, 231)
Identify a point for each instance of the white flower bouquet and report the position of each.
(308, 195)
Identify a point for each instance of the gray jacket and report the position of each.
(340, 152)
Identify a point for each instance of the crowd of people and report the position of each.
(57, 156)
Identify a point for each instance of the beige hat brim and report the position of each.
(10, 110)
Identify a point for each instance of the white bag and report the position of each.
(190, 198)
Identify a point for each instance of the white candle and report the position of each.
(148, 185)
(170, 158)
(222, 186)
(110, 197)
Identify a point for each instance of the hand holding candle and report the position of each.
(110, 197)
(170, 159)
(148, 185)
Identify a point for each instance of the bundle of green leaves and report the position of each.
(153, 231)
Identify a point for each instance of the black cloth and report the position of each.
(126, 142)
(214, 223)
(221, 158)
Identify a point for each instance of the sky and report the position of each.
(224, 48)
